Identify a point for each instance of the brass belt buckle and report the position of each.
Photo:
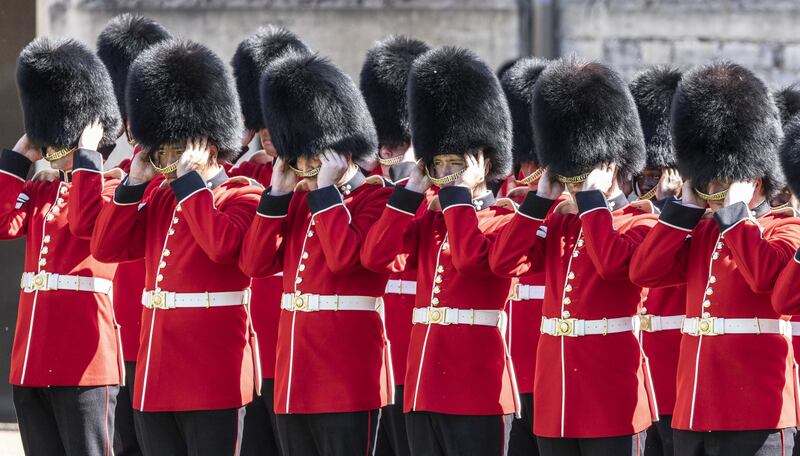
(300, 302)
(705, 326)
(40, 280)
(436, 316)
(646, 323)
(158, 300)
(565, 327)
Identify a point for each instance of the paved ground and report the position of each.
(10, 444)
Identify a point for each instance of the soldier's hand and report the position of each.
(669, 184)
(283, 179)
(195, 156)
(418, 181)
(334, 166)
(475, 172)
(91, 136)
(740, 192)
(548, 187)
(26, 147)
(141, 170)
(600, 178)
(689, 197)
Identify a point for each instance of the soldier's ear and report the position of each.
(213, 152)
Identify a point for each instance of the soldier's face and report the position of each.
(63, 164)
(648, 179)
(447, 164)
(305, 165)
(266, 142)
(528, 168)
(396, 151)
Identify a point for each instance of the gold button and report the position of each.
(644, 311)
(178, 208)
(302, 267)
(46, 238)
(568, 288)
(714, 256)
(167, 252)
(60, 201)
(436, 290)
(42, 262)
(706, 315)
(298, 280)
(56, 210)
(704, 326)
(706, 303)
(310, 234)
(712, 279)
(305, 255)
(440, 269)
(580, 243)
(575, 254)
(44, 250)
(435, 301)
(567, 301)
(175, 220)
(438, 279)
(62, 190)
(709, 291)
(159, 278)
(163, 264)
(565, 314)
(720, 245)
(50, 217)
(445, 246)
(171, 232)
(571, 275)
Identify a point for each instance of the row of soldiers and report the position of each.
(373, 281)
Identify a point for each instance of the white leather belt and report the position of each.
(401, 287)
(314, 303)
(795, 327)
(452, 316)
(572, 327)
(171, 300)
(655, 323)
(714, 326)
(47, 281)
(522, 292)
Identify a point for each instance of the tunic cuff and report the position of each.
(590, 200)
(404, 200)
(187, 185)
(729, 216)
(87, 160)
(274, 206)
(681, 216)
(323, 198)
(455, 196)
(14, 163)
(129, 194)
(535, 206)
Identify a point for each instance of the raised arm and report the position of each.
(15, 194)
(391, 244)
(520, 246)
(89, 192)
(263, 246)
(119, 233)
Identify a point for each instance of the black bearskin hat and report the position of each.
(787, 100)
(383, 83)
(179, 90)
(456, 106)
(250, 61)
(63, 87)
(517, 83)
(725, 125)
(124, 38)
(311, 105)
(653, 91)
(583, 116)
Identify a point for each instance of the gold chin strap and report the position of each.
(649, 195)
(390, 161)
(439, 181)
(171, 168)
(304, 174)
(59, 154)
(719, 196)
(572, 179)
(531, 177)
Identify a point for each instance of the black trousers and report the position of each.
(604, 446)
(66, 420)
(194, 433)
(659, 438)
(522, 441)
(735, 443)
(392, 437)
(438, 434)
(260, 434)
(328, 434)
(125, 440)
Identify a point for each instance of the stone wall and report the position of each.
(761, 34)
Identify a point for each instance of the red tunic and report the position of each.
(128, 286)
(190, 235)
(596, 385)
(729, 264)
(62, 337)
(326, 361)
(454, 369)
(266, 292)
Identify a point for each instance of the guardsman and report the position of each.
(524, 308)
(736, 386)
(787, 100)
(591, 382)
(249, 63)
(459, 385)
(662, 313)
(66, 361)
(384, 77)
(197, 366)
(118, 45)
(333, 369)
